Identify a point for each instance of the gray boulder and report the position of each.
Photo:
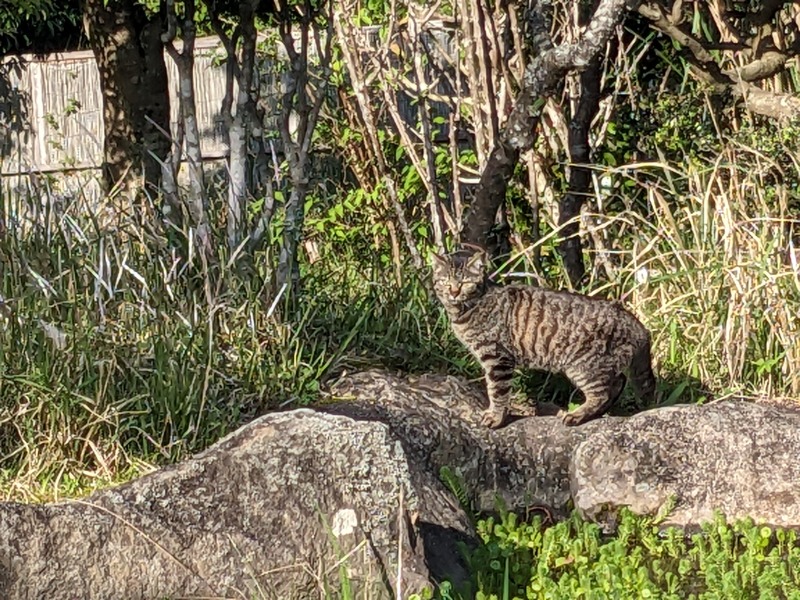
(734, 456)
(437, 419)
(283, 508)
(297, 502)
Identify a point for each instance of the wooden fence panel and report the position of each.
(51, 112)
(68, 114)
(209, 89)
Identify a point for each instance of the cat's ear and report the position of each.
(440, 263)
(478, 262)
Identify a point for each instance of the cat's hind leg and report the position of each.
(643, 381)
(601, 393)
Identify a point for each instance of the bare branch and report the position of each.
(325, 59)
(768, 104)
(228, 42)
(358, 80)
(538, 26)
(169, 35)
(541, 76)
(762, 68)
(668, 25)
(738, 80)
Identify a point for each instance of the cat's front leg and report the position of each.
(499, 370)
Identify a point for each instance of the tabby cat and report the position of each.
(592, 341)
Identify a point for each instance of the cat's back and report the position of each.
(552, 329)
(562, 317)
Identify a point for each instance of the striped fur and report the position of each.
(596, 343)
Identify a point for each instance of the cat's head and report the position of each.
(459, 278)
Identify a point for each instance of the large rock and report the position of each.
(437, 419)
(277, 507)
(734, 456)
(273, 510)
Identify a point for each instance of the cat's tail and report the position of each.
(641, 374)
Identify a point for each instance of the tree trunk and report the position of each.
(288, 269)
(580, 175)
(541, 76)
(133, 76)
(297, 99)
(294, 100)
(237, 173)
(237, 162)
(197, 202)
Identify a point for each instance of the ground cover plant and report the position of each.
(573, 559)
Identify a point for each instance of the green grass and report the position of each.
(113, 359)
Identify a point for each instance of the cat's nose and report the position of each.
(455, 290)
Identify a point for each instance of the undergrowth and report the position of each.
(117, 354)
(574, 559)
(707, 257)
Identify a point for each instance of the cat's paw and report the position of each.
(493, 417)
(571, 419)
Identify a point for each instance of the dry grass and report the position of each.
(707, 264)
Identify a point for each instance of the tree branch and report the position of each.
(768, 10)
(668, 25)
(580, 174)
(169, 35)
(770, 104)
(518, 135)
(768, 65)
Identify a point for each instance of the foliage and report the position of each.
(39, 25)
(118, 353)
(573, 559)
(163, 357)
